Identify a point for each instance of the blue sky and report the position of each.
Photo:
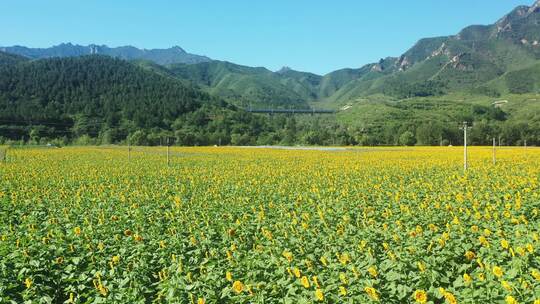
(307, 35)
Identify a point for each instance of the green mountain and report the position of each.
(470, 61)
(519, 81)
(464, 62)
(106, 99)
(10, 59)
(249, 86)
(259, 87)
(486, 75)
(101, 100)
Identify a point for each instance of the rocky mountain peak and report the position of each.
(284, 70)
(179, 49)
(535, 7)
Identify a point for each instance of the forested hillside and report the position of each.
(102, 100)
(248, 86)
(97, 99)
(108, 99)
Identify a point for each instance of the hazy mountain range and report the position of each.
(160, 56)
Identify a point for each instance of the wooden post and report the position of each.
(494, 157)
(465, 146)
(168, 153)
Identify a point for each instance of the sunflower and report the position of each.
(319, 295)
(372, 293)
(497, 271)
(238, 287)
(305, 282)
(420, 296)
(469, 255)
(372, 271)
(511, 300)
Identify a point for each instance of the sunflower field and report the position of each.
(254, 225)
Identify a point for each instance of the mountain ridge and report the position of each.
(466, 61)
(470, 60)
(100, 99)
(171, 55)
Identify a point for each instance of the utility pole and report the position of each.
(494, 158)
(129, 150)
(464, 146)
(168, 152)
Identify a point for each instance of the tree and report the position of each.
(429, 134)
(407, 139)
(138, 138)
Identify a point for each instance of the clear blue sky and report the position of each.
(307, 35)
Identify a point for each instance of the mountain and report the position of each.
(241, 85)
(160, 56)
(470, 61)
(108, 99)
(521, 81)
(249, 86)
(466, 61)
(10, 59)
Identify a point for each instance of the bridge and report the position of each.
(290, 111)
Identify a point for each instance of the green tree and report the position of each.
(138, 138)
(407, 138)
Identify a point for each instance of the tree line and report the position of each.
(202, 128)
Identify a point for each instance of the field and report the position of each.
(247, 225)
